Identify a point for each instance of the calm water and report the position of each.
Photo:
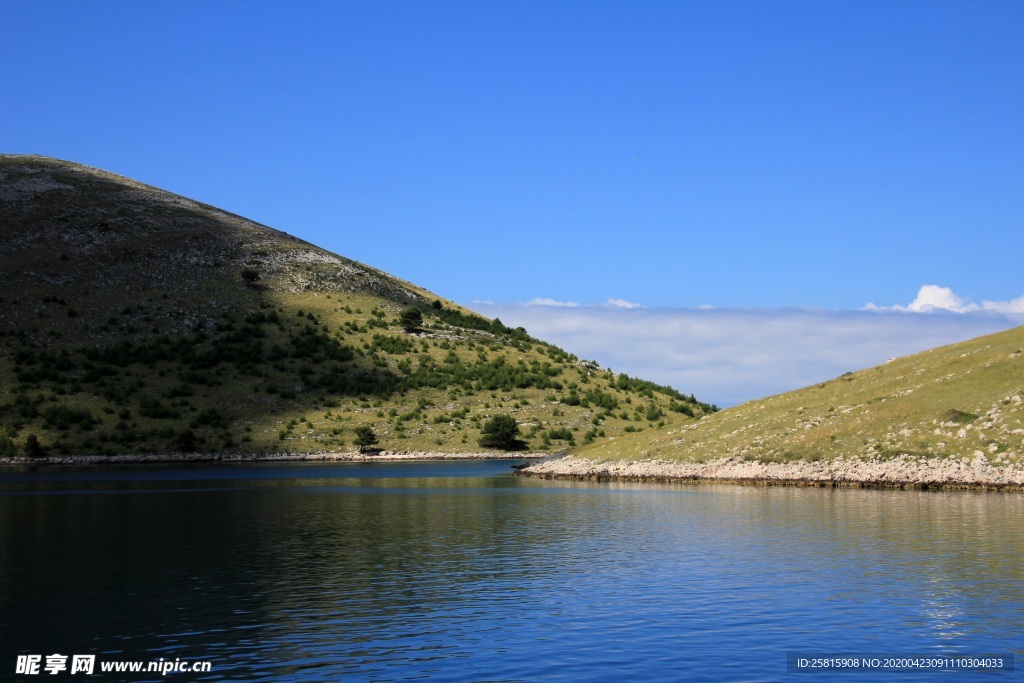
(461, 572)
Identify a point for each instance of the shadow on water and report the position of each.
(133, 559)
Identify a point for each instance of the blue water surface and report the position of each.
(458, 571)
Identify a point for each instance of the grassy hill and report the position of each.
(964, 401)
(133, 320)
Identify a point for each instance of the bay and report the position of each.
(458, 571)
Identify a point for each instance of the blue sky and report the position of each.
(734, 154)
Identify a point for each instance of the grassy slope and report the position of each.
(955, 401)
(126, 326)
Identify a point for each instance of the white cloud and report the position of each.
(931, 298)
(622, 303)
(1014, 306)
(728, 356)
(551, 303)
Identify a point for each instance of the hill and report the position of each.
(133, 320)
(953, 414)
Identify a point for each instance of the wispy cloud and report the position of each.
(1015, 306)
(728, 356)
(552, 303)
(622, 303)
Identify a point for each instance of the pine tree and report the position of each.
(411, 319)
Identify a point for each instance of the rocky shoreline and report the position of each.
(901, 472)
(156, 458)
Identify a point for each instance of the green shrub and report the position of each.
(185, 441)
(562, 434)
(959, 416)
(411, 319)
(211, 417)
(365, 437)
(62, 417)
(155, 408)
(502, 432)
(683, 408)
(33, 449)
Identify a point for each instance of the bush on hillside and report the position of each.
(502, 432)
(33, 449)
(365, 437)
(411, 319)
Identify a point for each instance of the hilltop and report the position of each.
(949, 416)
(134, 320)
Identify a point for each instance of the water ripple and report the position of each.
(483, 577)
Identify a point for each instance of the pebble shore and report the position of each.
(899, 472)
(372, 456)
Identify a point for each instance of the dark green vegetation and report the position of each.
(133, 320)
(501, 431)
(365, 437)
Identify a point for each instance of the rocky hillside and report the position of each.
(133, 320)
(963, 402)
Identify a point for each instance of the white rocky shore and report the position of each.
(370, 456)
(900, 472)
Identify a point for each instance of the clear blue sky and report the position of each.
(763, 154)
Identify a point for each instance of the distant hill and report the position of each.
(962, 402)
(133, 320)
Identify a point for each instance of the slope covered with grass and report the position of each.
(133, 320)
(963, 402)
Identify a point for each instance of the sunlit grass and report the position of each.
(959, 401)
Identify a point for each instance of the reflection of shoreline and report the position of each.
(380, 456)
(900, 472)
